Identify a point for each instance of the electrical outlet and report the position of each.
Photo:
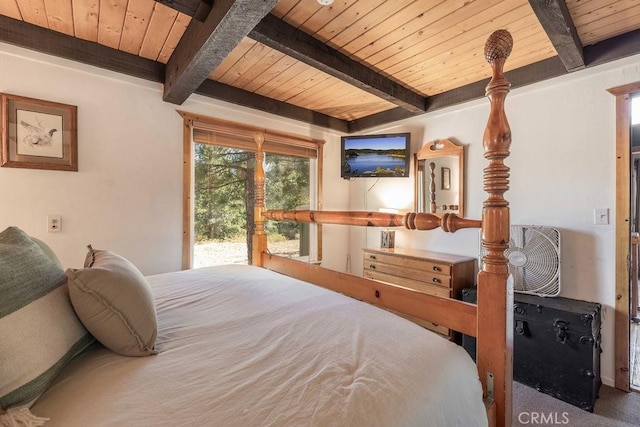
(601, 216)
(54, 223)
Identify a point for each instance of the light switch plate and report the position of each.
(601, 216)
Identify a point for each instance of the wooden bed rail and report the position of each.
(413, 221)
(457, 315)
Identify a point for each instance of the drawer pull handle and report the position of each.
(372, 257)
(436, 268)
(373, 267)
(436, 280)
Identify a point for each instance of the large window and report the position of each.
(219, 174)
(223, 204)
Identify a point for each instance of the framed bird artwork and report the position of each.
(38, 134)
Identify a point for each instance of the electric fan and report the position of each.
(534, 259)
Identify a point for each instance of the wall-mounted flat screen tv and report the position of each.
(385, 155)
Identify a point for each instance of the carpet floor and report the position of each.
(614, 408)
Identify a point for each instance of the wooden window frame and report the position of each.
(209, 130)
(623, 233)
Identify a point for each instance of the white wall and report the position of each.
(562, 167)
(127, 195)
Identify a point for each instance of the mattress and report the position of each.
(243, 346)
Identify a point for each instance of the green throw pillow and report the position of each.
(39, 328)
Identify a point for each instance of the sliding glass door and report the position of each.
(223, 204)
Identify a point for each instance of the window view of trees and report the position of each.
(223, 213)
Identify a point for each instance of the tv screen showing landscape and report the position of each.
(376, 155)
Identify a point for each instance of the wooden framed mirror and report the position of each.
(439, 178)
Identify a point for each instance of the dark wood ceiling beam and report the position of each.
(248, 99)
(617, 47)
(33, 37)
(612, 49)
(39, 39)
(291, 41)
(519, 77)
(378, 119)
(205, 45)
(198, 9)
(556, 21)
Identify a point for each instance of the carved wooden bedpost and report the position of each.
(495, 296)
(432, 188)
(259, 236)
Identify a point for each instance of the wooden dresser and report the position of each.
(434, 273)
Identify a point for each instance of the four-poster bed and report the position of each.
(245, 345)
(489, 321)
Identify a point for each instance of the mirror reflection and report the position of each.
(440, 178)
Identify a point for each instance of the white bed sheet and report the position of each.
(243, 346)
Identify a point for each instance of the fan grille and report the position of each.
(534, 259)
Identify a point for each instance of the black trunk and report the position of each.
(556, 346)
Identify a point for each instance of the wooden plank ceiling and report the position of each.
(347, 66)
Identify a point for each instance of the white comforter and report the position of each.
(243, 346)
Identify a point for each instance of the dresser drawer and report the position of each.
(432, 273)
(401, 272)
(423, 265)
(426, 288)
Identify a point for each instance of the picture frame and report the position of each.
(445, 178)
(38, 134)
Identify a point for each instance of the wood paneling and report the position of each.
(429, 46)
(136, 22)
(262, 70)
(112, 22)
(422, 44)
(140, 27)
(58, 13)
(598, 20)
(352, 37)
(178, 28)
(287, 39)
(85, 19)
(33, 12)
(234, 95)
(154, 39)
(10, 8)
(206, 44)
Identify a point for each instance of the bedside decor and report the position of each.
(38, 134)
(387, 239)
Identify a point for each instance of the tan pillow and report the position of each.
(114, 302)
